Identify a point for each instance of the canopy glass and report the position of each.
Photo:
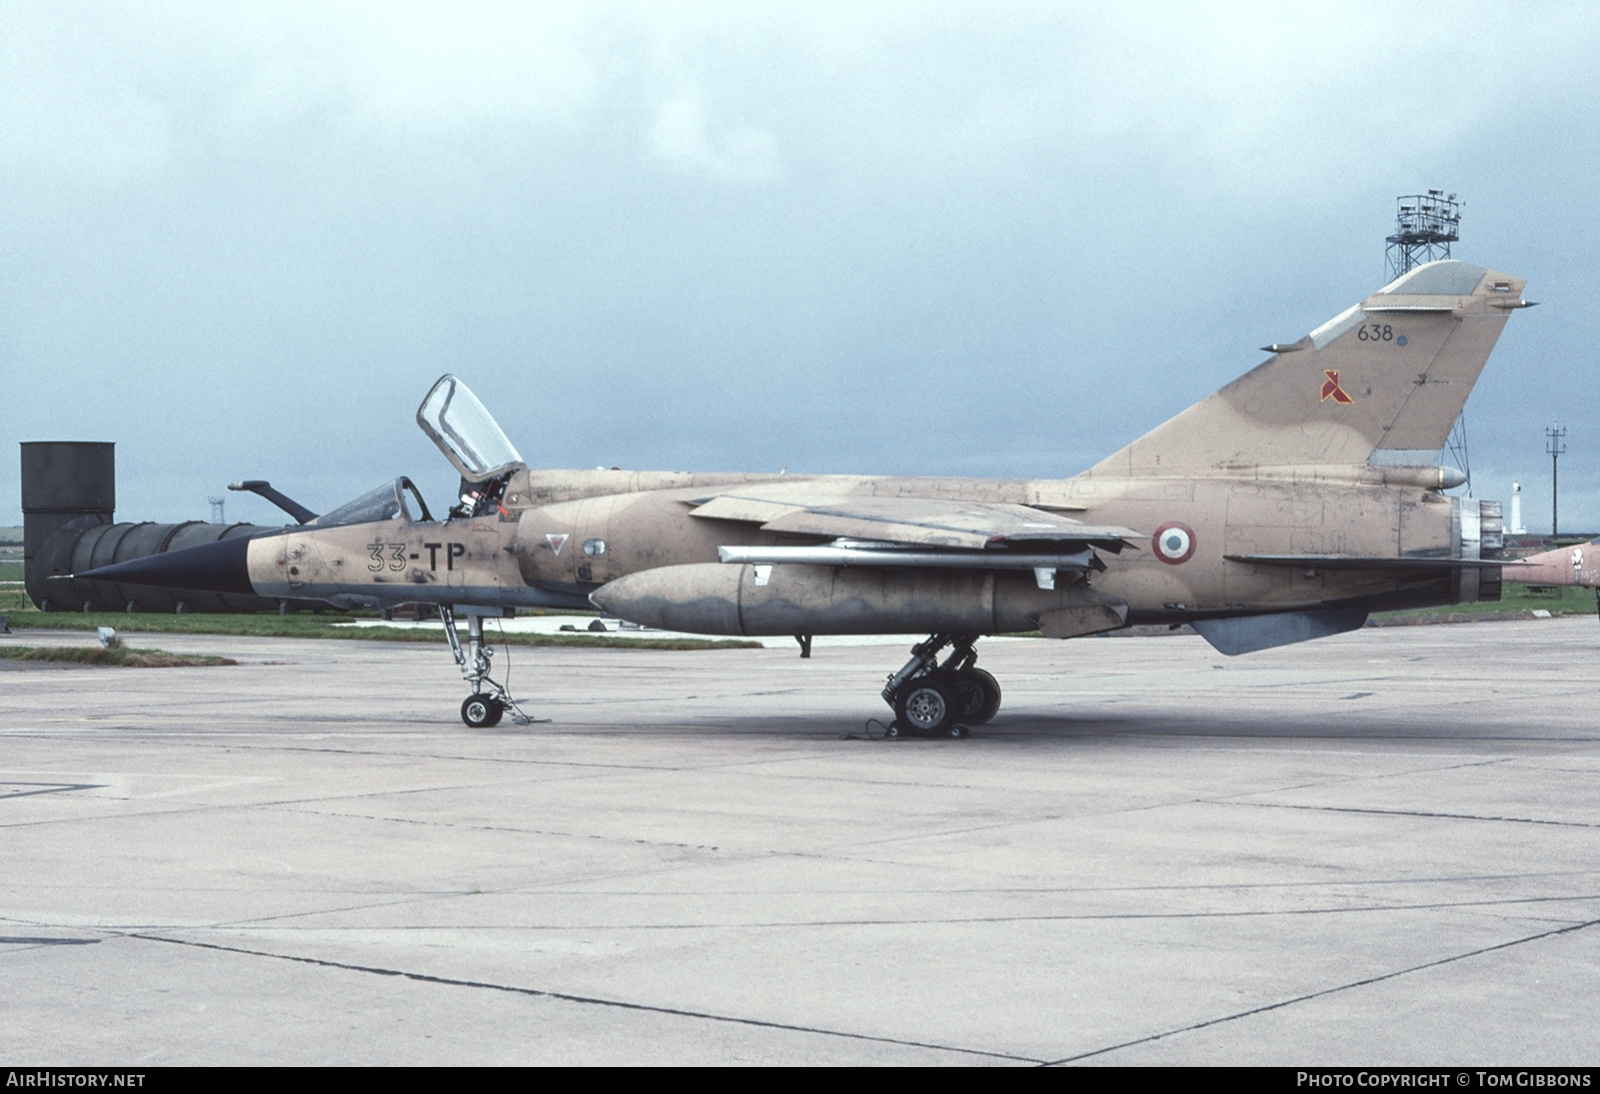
(466, 432)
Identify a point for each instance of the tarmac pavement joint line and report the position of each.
(509, 829)
(1569, 929)
(565, 997)
(598, 766)
(49, 788)
(1409, 813)
(1363, 777)
(257, 925)
(281, 804)
(268, 925)
(32, 942)
(1039, 890)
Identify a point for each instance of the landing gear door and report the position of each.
(466, 432)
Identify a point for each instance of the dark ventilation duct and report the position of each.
(68, 498)
(63, 482)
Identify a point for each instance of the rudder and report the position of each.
(1381, 383)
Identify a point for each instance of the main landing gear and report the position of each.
(489, 700)
(941, 700)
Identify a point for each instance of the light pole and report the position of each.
(1555, 443)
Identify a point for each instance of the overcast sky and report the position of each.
(242, 241)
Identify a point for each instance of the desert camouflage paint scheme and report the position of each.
(1285, 506)
(1576, 565)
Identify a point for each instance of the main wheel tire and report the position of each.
(977, 695)
(970, 696)
(926, 706)
(482, 711)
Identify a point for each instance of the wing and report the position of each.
(915, 532)
(807, 509)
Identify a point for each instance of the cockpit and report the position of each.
(453, 417)
(386, 502)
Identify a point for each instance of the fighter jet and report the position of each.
(1286, 506)
(1576, 565)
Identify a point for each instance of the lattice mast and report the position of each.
(1425, 226)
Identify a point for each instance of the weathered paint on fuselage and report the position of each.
(650, 530)
(1576, 565)
(461, 561)
(381, 564)
(560, 535)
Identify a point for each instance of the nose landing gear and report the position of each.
(930, 699)
(489, 700)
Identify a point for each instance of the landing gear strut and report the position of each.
(488, 701)
(933, 699)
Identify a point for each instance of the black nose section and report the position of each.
(220, 567)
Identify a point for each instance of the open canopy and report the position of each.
(466, 432)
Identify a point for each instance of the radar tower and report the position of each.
(1425, 226)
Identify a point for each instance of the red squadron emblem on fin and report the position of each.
(1331, 388)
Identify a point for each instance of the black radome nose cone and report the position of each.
(220, 567)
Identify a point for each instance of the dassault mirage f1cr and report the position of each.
(1286, 506)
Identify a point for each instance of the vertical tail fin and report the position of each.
(1380, 383)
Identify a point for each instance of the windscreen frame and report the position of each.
(381, 504)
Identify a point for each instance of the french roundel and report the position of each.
(1173, 543)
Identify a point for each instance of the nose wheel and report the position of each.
(482, 711)
(931, 699)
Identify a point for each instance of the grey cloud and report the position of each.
(243, 240)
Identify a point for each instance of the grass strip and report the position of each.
(22, 615)
(274, 626)
(121, 656)
(1515, 600)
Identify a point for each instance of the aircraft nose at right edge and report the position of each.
(219, 567)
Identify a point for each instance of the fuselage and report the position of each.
(557, 537)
